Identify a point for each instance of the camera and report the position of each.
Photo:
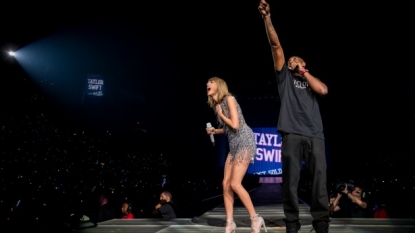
(341, 186)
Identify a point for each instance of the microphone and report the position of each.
(212, 139)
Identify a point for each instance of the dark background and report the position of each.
(156, 57)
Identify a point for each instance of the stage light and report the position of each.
(11, 53)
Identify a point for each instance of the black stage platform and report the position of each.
(267, 200)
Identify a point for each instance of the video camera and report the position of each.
(341, 186)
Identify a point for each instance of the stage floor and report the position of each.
(268, 204)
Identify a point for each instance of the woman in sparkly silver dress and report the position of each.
(242, 149)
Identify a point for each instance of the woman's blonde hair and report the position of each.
(222, 92)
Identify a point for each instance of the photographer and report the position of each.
(349, 202)
(166, 209)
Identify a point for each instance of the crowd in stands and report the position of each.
(52, 171)
(48, 175)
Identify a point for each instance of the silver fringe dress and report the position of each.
(242, 145)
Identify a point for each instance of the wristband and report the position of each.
(303, 72)
(268, 15)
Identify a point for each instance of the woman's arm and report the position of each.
(233, 120)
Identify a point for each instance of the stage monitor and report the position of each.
(94, 85)
(267, 160)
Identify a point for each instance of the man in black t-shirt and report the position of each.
(105, 211)
(166, 208)
(301, 127)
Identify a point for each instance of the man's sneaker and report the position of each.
(321, 226)
(292, 226)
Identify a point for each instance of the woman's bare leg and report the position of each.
(228, 196)
(238, 172)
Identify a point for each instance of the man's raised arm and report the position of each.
(277, 52)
